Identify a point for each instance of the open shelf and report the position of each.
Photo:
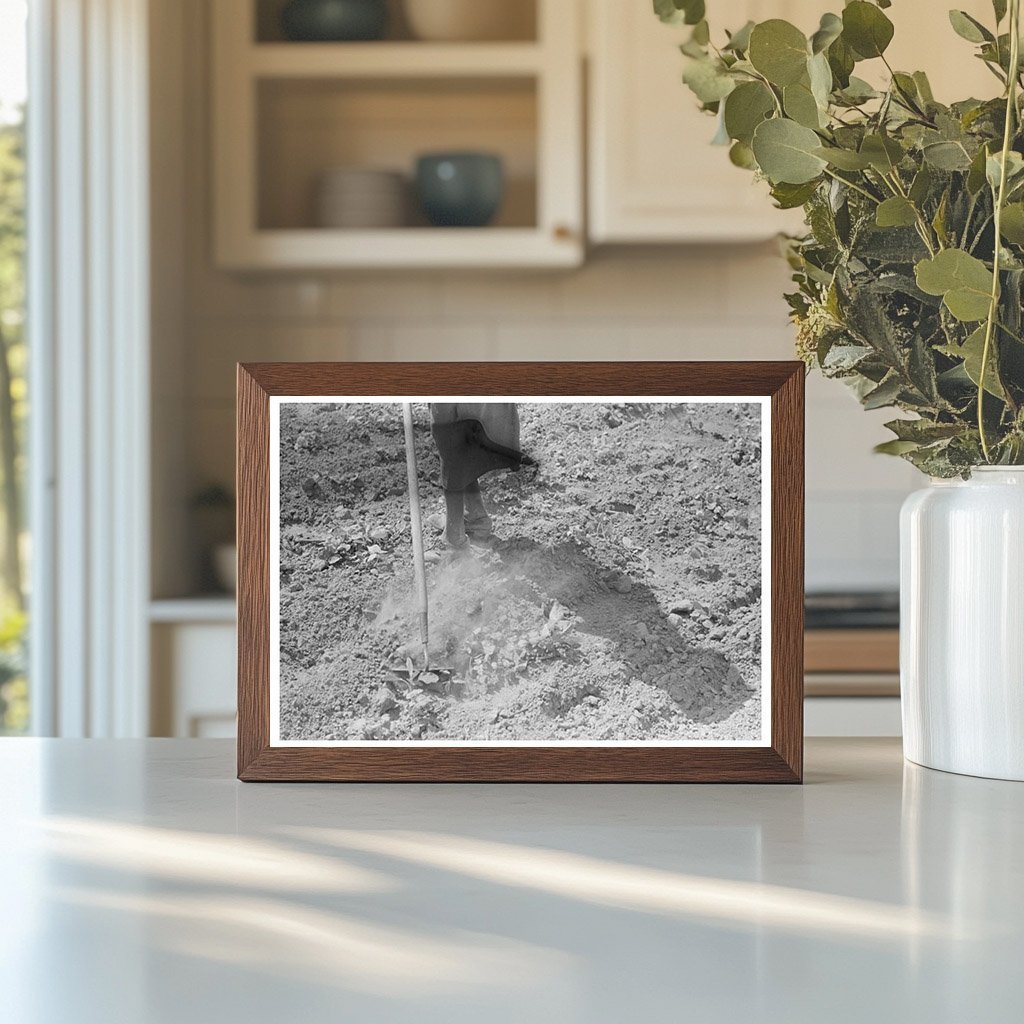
(287, 113)
(520, 17)
(308, 127)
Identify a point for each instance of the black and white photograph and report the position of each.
(496, 571)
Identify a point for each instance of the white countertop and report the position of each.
(142, 885)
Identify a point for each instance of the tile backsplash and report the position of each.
(701, 303)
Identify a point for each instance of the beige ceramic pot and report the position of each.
(470, 20)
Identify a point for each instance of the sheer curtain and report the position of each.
(88, 299)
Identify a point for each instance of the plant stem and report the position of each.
(969, 218)
(923, 228)
(1012, 334)
(856, 188)
(981, 231)
(993, 309)
(771, 89)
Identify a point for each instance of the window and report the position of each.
(14, 697)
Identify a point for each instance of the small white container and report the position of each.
(225, 566)
(471, 20)
(962, 624)
(361, 197)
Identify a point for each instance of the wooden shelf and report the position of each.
(206, 608)
(393, 60)
(401, 247)
(851, 684)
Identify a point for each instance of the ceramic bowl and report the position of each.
(334, 20)
(361, 197)
(470, 20)
(460, 189)
(225, 566)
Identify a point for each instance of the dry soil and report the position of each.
(621, 599)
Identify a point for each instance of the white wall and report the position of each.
(664, 303)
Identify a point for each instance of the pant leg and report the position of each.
(478, 522)
(455, 518)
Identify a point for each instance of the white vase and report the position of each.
(962, 624)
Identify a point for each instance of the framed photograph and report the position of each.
(520, 572)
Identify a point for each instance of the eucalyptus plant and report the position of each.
(910, 278)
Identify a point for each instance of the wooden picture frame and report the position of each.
(778, 757)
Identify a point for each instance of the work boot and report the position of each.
(479, 527)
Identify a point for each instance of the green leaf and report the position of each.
(999, 7)
(820, 76)
(963, 281)
(778, 50)
(866, 29)
(939, 220)
(947, 156)
(675, 12)
(885, 394)
(841, 60)
(694, 49)
(997, 53)
(708, 80)
(883, 153)
(858, 91)
(746, 107)
(667, 11)
(971, 352)
(830, 29)
(1014, 169)
(967, 304)
(906, 90)
(921, 185)
(896, 212)
(923, 431)
(896, 447)
(844, 159)
(785, 152)
(789, 197)
(924, 87)
(1012, 225)
(741, 155)
(694, 11)
(739, 41)
(969, 28)
(976, 173)
(800, 105)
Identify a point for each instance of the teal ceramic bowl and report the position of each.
(334, 21)
(462, 190)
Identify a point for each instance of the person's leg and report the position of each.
(455, 519)
(478, 522)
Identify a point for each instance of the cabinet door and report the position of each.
(193, 685)
(653, 175)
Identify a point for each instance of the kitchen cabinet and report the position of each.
(192, 647)
(286, 113)
(653, 175)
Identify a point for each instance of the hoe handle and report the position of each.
(417, 524)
